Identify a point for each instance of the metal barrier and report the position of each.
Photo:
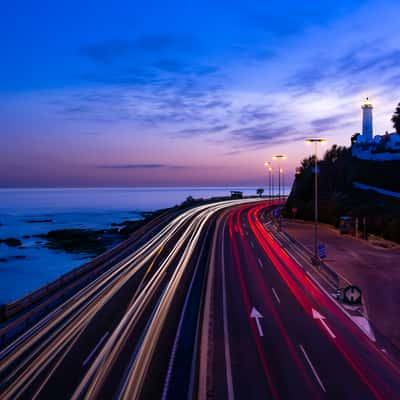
(45, 296)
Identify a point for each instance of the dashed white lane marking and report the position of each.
(260, 263)
(314, 371)
(95, 348)
(276, 296)
(251, 244)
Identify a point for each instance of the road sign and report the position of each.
(352, 295)
(322, 251)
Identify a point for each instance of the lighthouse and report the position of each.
(367, 121)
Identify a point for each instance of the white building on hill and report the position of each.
(379, 147)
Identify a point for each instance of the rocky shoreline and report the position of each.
(93, 242)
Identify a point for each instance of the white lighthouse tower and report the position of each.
(367, 125)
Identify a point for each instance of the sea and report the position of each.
(25, 213)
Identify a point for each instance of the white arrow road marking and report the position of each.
(314, 371)
(317, 315)
(256, 315)
(276, 296)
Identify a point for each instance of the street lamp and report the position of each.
(268, 165)
(315, 142)
(279, 157)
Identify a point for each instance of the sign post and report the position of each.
(322, 251)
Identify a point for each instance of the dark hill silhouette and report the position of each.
(338, 196)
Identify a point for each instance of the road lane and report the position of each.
(360, 355)
(340, 379)
(284, 349)
(125, 309)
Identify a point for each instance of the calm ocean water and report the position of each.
(25, 269)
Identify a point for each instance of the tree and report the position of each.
(396, 119)
(306, 163)
(354, 138)
(334, 153)
(260, 191)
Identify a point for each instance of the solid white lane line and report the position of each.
(276, 296)
(95, 348)
(260, 263)
(312, 368)
(228, 366)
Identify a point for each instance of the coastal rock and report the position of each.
(11, 242)
(38, 221)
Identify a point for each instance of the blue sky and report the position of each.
(129, 93)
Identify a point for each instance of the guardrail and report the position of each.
(18, 315)
(332, 275)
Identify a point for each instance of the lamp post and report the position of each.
(268, 165)
(315, 142)
(279, 157)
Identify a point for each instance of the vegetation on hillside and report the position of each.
(396, 119)
(338, 197)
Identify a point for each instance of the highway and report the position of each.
(272, 332)
(211, 307)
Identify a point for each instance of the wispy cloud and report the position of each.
(281, 20)
(337, 121)
(113, 50)
(347, 72)
(262, 134)
(255, 113)
(139, 166)
(190, 132)
(107, 51)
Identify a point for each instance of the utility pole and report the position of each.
(365, 234)
(315, 142)
(279, 157)
(269, 167)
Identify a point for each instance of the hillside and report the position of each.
(338, 196)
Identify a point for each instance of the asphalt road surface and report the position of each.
(211, 307)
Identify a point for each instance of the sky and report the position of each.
(186, 93)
